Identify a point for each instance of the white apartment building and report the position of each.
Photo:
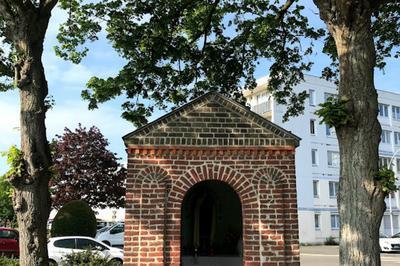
(317, 157)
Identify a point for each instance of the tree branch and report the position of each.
(6, 11)
(21, 5)
(17, 3)
(47, 5)
(207, 24)
(284, 9)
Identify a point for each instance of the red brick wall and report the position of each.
(264, 179)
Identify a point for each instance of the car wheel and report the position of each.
(116, 262)
(52, 263)
(107, 243)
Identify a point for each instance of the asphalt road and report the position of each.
(329, 256)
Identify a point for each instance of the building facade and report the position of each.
(211, 181)
(317, 158)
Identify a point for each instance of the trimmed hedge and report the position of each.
(75, 218)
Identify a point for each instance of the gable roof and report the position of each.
(212, 120)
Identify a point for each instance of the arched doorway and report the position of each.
(211, 229)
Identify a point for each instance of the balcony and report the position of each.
(263, 109)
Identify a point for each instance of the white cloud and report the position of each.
(76, 74)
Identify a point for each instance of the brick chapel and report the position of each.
(211, 183)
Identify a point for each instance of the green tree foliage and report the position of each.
(333, 112)
(388, 180)
(85, 169)
(16, 168)
(7, 215)
(75, 218)
(177, 50)
(16, 163)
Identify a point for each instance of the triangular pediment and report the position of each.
(212, 120)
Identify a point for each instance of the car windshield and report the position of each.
(383, 236)
(106, 228)
(8, 234)
(117, 229)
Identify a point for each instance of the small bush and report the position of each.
(331, 241)
(85, 258)
(9, 261)
(75, 218)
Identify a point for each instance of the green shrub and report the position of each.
(331, 241)
(8, 261)
(86, 258)
(75, 218)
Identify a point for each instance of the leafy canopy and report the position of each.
(85, 169)
(177, 50)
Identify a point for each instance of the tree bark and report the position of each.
(31, 197)
(361, 199)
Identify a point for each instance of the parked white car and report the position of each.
(59, 247)
(114, 236)
(389, 244)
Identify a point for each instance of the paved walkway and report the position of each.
(309, 256)
(329, 256)
(212, 261)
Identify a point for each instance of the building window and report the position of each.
(317, 223)
(312, 126)
(383, 110)
(316, 188)
(335, 223)
(314, 157)
(384, 162)
(397, 138)
(398, 165)
(333, 189)
(385, 136)
(396, 112)
(330, 131)
(312, 97)
(333, 158)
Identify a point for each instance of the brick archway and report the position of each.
(238, 182)
(241, 184)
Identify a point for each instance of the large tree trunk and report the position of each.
(31, 197)
(361, 200)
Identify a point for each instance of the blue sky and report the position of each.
(66, 81)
